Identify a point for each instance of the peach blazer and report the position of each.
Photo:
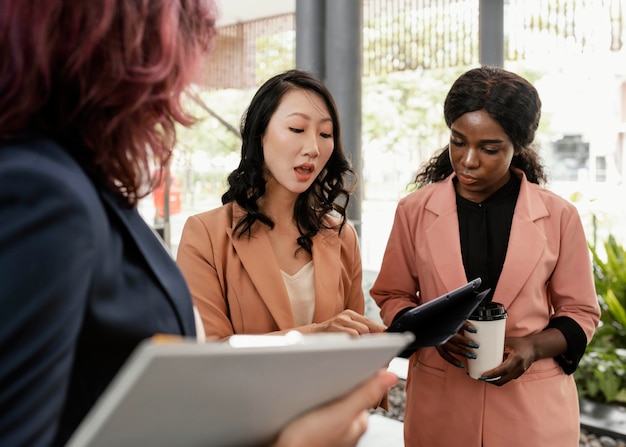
(236, 282)
(547, 272)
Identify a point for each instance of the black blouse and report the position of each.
(484, 232)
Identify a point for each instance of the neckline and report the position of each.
(300, 272)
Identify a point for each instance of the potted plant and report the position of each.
(601, 374)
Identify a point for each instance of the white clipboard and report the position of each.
(239, 392)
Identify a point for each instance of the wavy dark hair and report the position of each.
(511, 101)
(103, 77)
(331, 190)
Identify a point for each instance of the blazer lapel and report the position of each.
(158, 259)
(445, 251)
(526, 244)
(327, 262)
(257, 257)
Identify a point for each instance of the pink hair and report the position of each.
(103, 77)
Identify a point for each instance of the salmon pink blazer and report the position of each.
(547, 273)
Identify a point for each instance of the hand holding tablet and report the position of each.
(239, 392)
(435, 322)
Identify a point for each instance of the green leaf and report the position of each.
(615, 307)
(620, 396)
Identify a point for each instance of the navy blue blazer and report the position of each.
(83, 280)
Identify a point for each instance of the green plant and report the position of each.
(601, 374)
(610, 281)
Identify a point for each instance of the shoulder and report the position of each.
(347, 235)
(553, 202)
(223, 213)
(42, 159)
(439, 196)
(38, 171)
(332, 223)
(50, 207)
(212, 223)
(420, 195)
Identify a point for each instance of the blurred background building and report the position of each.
(389, 64)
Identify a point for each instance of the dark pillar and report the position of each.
(491, 32)
(310, 28)
(344, 63)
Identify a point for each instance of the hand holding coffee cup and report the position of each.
(489, 319)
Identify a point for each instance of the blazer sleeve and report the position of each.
(48, 258)
(397, 284)
(571, 286)
(197, 256)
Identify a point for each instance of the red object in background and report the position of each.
(159, 195)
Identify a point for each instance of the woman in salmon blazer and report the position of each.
(479, 211)
(278, 254)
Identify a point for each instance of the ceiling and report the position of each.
(234, 11)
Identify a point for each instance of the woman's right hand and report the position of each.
(340, 423)
(350, 322)
(458, 346)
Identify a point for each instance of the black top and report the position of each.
(484, 231)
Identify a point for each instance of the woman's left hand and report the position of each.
(519, 354)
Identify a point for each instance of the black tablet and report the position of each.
(435, 322)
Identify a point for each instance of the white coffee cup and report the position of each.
(489, 319)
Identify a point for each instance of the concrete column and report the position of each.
(491, 32)
(310, 29)
(344, 60)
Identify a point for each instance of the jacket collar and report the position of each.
(443, 248)
(158, 259)
(255, 253)
(526, 241)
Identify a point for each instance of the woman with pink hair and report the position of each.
(90, 96)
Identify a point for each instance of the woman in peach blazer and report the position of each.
(272, 258)
(237, 285)
(531, 251)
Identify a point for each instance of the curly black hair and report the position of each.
(331, 190)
